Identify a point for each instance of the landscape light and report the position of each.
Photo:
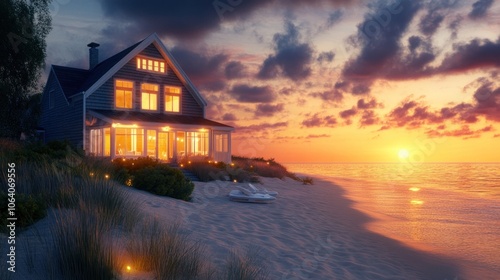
(106, 176)
(129, 268)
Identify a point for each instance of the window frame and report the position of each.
(179, 95)
(144, 63)
(150, 93)
(115, 94)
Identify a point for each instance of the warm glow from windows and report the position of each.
(221, 143)
(151, 65)
(129, 141)
(172, 99)
(124, 125)
(149, 94)
(123, 94)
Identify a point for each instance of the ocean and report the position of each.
(450, 209)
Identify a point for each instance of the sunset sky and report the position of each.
(319, 80)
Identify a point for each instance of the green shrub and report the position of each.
(263, 167)
(134, 165)
(28, 209)
(163, 180)
(206, 171)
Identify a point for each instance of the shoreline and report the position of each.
(310, 232)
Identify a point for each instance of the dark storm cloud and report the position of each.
(318, 121)
(430, 22)
(346, 114)
(475, 54)
(326, 56)
(205, 70)
(229, 117)
(291, 59)
(234, 70)
(268, 110)
(193, 18)
(252, 94)
(329, 96)
(480, 8)
(333, 18)
(380, 46)
(384, 55)
(372, 104)
(369, 118)
(412, 114)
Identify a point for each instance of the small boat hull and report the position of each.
(240, 196)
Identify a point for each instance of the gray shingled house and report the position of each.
(138, 102)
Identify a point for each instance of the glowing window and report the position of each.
(172, 99)
(151, 65)
(123, 94)
(149, 96)
(129, 141)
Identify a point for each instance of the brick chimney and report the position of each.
(93, 55)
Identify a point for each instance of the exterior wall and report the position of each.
(103, 98)
(65, 120)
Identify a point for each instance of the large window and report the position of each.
(172, 99)
(129, 141)
(123, 94)
(96, 142)
(151, 152)
(100, 142)
(149, 94)
(221, 143)
(151, 65)
(197, 143)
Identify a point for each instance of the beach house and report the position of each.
(137, 103)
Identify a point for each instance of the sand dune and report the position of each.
(310, 232)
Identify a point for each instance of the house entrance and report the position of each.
(166, 145)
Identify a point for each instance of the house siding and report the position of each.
(64, 121)
(103, 98)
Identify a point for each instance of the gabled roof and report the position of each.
(74, 80)
(133, 116)
(70, 78)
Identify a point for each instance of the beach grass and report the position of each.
(90, 208)
(81, 249)
(166, 252)
(246, 266)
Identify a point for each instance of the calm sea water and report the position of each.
(446, 208)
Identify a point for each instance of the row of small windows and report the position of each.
(150, 65)
(149, 96)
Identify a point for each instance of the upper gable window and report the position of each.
(123, 94)
(172, 99)
(150, 65)
(149, 94)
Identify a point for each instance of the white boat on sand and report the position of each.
(244, 195)
(263, 191)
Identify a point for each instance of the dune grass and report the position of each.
(248, 266)
(90, 207)
(166, 252)
(81, 250)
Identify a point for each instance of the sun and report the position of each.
(403, 154)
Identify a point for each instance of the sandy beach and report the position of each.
(310, 232)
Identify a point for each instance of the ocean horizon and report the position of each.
(450, 209)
